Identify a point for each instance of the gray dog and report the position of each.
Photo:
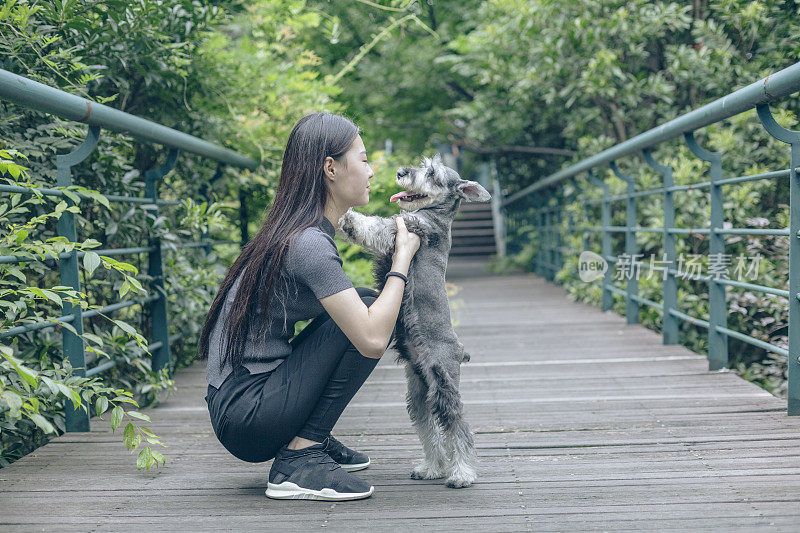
(424, 338)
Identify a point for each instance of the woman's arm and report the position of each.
(370, 328)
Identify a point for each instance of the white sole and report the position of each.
(290, 491)
(353, 468)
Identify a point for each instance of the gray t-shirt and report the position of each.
(312, 270)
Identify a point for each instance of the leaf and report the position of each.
(116, 417)
(158, 457)
(127, 328)
(94, 338)
(70, 393)
(145, 459)
(127, 435)
(29, 375)
(140, 416)
(91, 260)
(17, 273)
(52, 296)
(42, 422)
(124, 399)
(100, 405)
(13, 400)
(21, 236)
(50, 384)
(72, 196)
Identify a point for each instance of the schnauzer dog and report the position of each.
(424, 336)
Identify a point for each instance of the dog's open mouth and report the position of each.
(407, 196)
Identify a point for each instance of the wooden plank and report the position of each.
(581, 422)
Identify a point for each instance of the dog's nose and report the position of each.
(401, 172)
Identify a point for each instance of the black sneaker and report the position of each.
(348, 459)
(311, 474)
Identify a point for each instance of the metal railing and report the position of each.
(548, 220)
(34, 95)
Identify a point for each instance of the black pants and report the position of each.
(254, 415)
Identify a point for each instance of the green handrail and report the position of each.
(34, 95)
(549, 256)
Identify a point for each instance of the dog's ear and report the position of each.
(431, 161)
(472, 191)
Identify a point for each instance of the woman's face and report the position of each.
(349, 185)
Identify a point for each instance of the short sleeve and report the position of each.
(313, 260)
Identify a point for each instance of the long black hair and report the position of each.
(299, 203)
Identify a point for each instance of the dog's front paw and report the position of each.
(463, 476)
(415, 226)
(347, 223)
(426, 471)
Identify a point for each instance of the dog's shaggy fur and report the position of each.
(424, 338)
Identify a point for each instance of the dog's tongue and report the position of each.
(400, 195)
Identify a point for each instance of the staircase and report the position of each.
(473, 231)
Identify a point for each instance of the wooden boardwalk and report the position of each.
(582, 423)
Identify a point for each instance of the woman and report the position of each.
(270, 397)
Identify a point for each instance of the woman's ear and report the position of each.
(329, 167)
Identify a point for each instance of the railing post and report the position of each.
(205, 191)
(717, 306)
(579, 193)
(608, 277)
(669, 322)
(68, 270)
(793, 139)
(631, 305)
(158, 308)
(548, 248)
(559, 216)
(243, 217)
(540, 239)
(498, 213)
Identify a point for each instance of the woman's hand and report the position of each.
(406, 243)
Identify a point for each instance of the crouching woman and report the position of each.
(272, 397)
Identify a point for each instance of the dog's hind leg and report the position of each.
(434, 464)
(459, 444)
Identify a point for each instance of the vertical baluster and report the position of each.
(631, 305)
(559, 218)
(608, 277)
(498, 213)
(669, 322)
(718, 307)
(579, 199)
(548, 246)
(158, 308)
(571, 222)
(244, 215)
(540, 257)
(205, 192)
(68, 270)
(793, 139)
(523, 218)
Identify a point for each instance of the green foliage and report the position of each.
(200, 67)
(34, 381)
